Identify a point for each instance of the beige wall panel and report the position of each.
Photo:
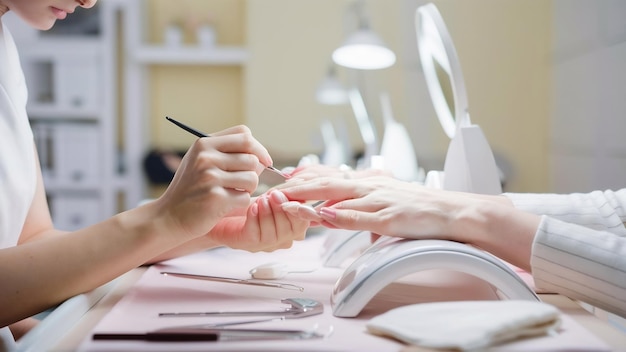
(206, 97)
(290, 44)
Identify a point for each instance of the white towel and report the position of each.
(466, 325)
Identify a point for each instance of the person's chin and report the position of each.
(43, 24)
(46, 25)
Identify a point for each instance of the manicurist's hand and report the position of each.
(216, 176)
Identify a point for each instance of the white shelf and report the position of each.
(53, 187)
(63, 48)
(51, 111)
(219, 55)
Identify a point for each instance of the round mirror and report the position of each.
(442, 69)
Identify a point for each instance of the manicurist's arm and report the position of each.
(216, 176)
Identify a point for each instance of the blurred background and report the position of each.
(545, 81)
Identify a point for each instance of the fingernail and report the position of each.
(265, 201)
(279, 196)
(328, 213)
(260, 168)
(310, 211)
(291, 207)
(254, 209)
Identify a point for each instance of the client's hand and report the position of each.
(382, 205)
(265, 227)
(313, 171)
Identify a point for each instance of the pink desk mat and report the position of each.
(138, 311)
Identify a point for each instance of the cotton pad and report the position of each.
(466, 325)
(270, 271)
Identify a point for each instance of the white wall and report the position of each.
(588, 124)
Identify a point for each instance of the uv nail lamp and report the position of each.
(341, 245)
(392, 258)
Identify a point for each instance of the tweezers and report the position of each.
(202, 134)
(235, 281)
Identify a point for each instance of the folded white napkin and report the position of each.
(466, 325)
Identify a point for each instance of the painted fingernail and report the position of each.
(328, 213)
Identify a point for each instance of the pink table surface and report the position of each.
(138, 310)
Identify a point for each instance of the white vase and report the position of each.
(173, 35)
(206, 36)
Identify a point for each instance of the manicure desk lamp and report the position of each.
(469, 167)
(396, 149)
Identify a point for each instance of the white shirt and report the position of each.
(17, 153)
(580, 247)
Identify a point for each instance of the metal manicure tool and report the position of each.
(299, 308)
(235, 281)
(201, 134)
(214, 335)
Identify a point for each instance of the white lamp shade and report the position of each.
(364, 50)
(331, 92)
